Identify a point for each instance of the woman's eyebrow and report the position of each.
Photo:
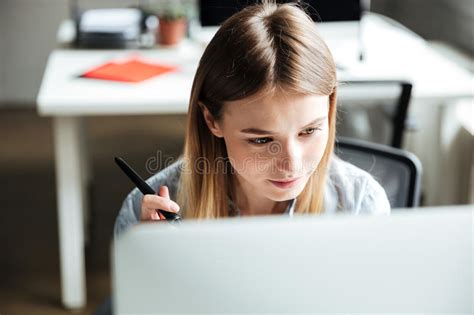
(257, 131)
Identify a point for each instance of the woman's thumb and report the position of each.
(164, 192)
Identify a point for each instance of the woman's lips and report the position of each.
(285, 184)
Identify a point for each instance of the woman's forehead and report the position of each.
(277, 108)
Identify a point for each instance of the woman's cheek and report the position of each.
(316, 150)
(254, 163)
(240, 158)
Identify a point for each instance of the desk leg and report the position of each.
(86, 173)
(70, 201)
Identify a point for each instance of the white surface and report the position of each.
(66, 32)
(406, 263)
(117, 20)
(63, 93)
(70, 179)
(344, 39)
(391, 53)
(465, 114)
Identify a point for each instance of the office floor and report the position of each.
(29, 256)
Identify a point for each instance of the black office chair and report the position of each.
(398, 171)
(372, 119)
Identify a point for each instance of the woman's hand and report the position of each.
(150, 204)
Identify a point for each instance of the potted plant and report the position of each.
(172, 24)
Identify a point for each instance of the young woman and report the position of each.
(260, 129)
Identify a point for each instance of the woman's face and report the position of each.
(274, 143)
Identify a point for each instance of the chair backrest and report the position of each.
(374, 91)
(398, 171)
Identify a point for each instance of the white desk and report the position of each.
(392, 52)
(68, 99)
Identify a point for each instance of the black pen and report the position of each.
(144, 187)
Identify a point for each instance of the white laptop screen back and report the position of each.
(408, 262)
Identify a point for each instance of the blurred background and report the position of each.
(438, 127)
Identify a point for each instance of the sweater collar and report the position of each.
(234, 211)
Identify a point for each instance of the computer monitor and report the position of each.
(410, 262)
(338, 23)
(214, 12)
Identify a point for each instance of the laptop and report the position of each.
(412, 261)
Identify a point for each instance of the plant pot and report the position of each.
(171, 32)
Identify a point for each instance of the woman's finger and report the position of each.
(155, 216)
(159, 202)
(164, 192)
(149, 214)
(151, 204)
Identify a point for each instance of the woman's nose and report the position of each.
(289, 159)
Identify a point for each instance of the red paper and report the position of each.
(129, 71)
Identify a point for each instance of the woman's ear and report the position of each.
(211, 123)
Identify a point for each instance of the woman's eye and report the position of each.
(265, 140)
(309, 131)
(260, 140)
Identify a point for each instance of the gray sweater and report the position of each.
(348, 189)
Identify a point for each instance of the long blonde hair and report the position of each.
(263, 48)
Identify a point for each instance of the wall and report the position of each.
(2, 61)
(445, 20)
(29, 34)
